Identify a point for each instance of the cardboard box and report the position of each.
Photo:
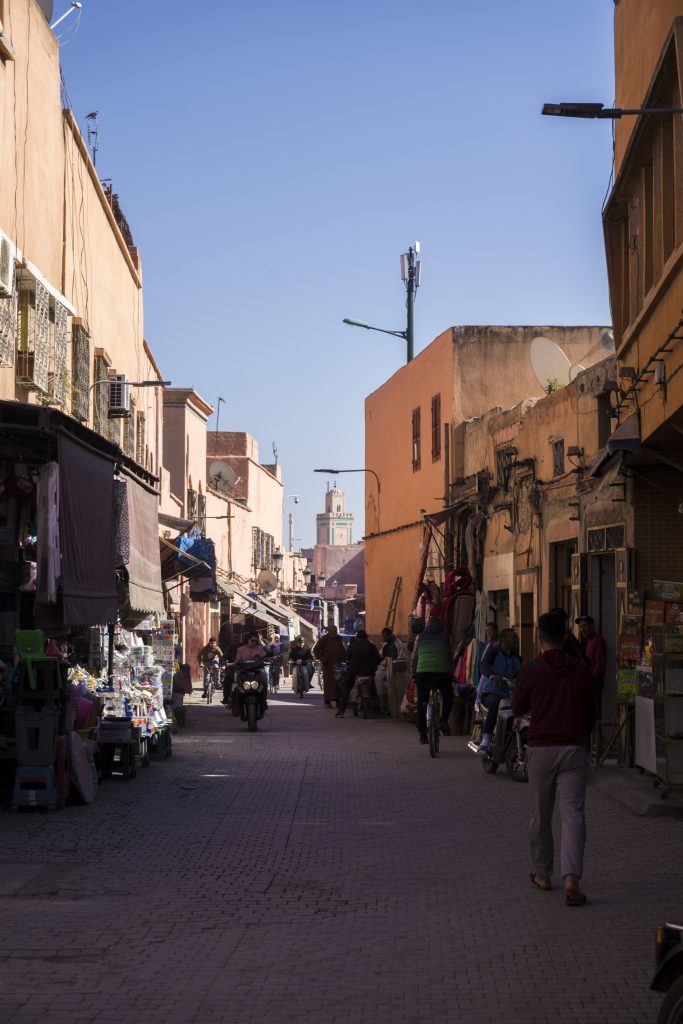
(673, 613)
(634, 602)
(654, 613)
(666, 591)
(632, 625)
(628, 649)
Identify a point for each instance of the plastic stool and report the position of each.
(34, 787)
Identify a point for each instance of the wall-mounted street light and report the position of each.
(307, 577)
(598, 110)
(335, 472)
(410, 275)
(131, 383)
(278, 558)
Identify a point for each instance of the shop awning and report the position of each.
(176, 523)
(86, 527)
(144, 564)
(624, 438)
(438, 518)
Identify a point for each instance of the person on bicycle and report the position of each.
(206, 656)
(299, 658)
(432, 669)
(363, 661)
(253, 650)
(499, 668)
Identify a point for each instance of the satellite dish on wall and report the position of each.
(267, 581)
(574, 370)
(605, 346)
(46, 7)
(549, 363)
(221, 476)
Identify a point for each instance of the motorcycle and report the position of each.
(249, 692)
(303, 676)
(508, 743)
(669, 972)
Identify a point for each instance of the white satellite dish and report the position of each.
(574, 370)
(549, 363)
(267, 581)
(221, 476)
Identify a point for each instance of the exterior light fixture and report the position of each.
(598, 110)
(278, 558)
(410, 275)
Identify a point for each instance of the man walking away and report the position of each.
(330, 652)
(558, 692)
(432, 668)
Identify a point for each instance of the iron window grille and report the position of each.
(100, 396)
(201, 514)
(558, 457)
(141, 441)
(504, 459)
(436, 428)
(191, 504)
(416, 439)
(58, 374)
(129, 432)
(8, 329)
(32, 365)
(80, 371)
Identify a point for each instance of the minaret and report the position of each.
(334, 526)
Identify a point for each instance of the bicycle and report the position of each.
(213, 681)
(434, 709)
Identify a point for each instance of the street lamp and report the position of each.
(322, 580)
(278, 558)
(335, 472)
(410, 275)
(597, 110)
(131, 383)
(307, 577)
(290, 518)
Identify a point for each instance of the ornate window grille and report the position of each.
(140, 450)
(129, 432)
(191, 504)
(201, 514)
(8, 329)
(80, 371)
(101, 397)
(58, 375)
(32, 366)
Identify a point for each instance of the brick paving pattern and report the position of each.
(322, 871)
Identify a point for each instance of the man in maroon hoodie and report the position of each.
(559, 693)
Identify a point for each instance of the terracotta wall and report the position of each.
(640, 31)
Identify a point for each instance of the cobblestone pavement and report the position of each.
(322, 871)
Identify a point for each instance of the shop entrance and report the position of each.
(603, 608)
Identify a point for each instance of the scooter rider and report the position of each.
(300, 656)
(253, 650)
(363, 661)
(499, 668)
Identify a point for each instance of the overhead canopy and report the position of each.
(86, 522)
(175, 522)
(438, 518)
(624, 438)
(144, 565)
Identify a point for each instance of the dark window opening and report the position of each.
(558, 457)
(416, 439)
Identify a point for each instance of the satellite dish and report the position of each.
(46, 7)
(549, 363)
(574, 370)
(267, 581)
(221, 476)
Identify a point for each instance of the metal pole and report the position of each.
(110, 667)
(291, 530)
(410, 299)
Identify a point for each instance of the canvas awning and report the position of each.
(144, 564)
(176, 523)
(86, 528)
(624, 438)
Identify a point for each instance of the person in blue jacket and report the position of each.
(499, 667)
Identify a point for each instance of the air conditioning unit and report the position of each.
(119, 395)
(6, 269)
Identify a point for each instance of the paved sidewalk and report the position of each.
(322, 871)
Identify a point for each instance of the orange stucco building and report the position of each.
(414, 442)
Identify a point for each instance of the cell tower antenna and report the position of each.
(92, 130)
(275, 452)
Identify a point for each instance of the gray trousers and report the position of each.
(558, 772)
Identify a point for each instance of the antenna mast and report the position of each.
(92, 129)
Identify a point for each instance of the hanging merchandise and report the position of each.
(199, 547)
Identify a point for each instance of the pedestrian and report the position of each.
(571, 645)
(391, 649)
(557, 690)
(363, 661)
(181, 687)
(594, 648)
(432, 667)
(330, 652)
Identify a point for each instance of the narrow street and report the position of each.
(322, 871)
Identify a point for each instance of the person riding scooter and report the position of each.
(300, 658)
(253, 650)
(499, 668)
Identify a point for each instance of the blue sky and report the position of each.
(274, 159)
